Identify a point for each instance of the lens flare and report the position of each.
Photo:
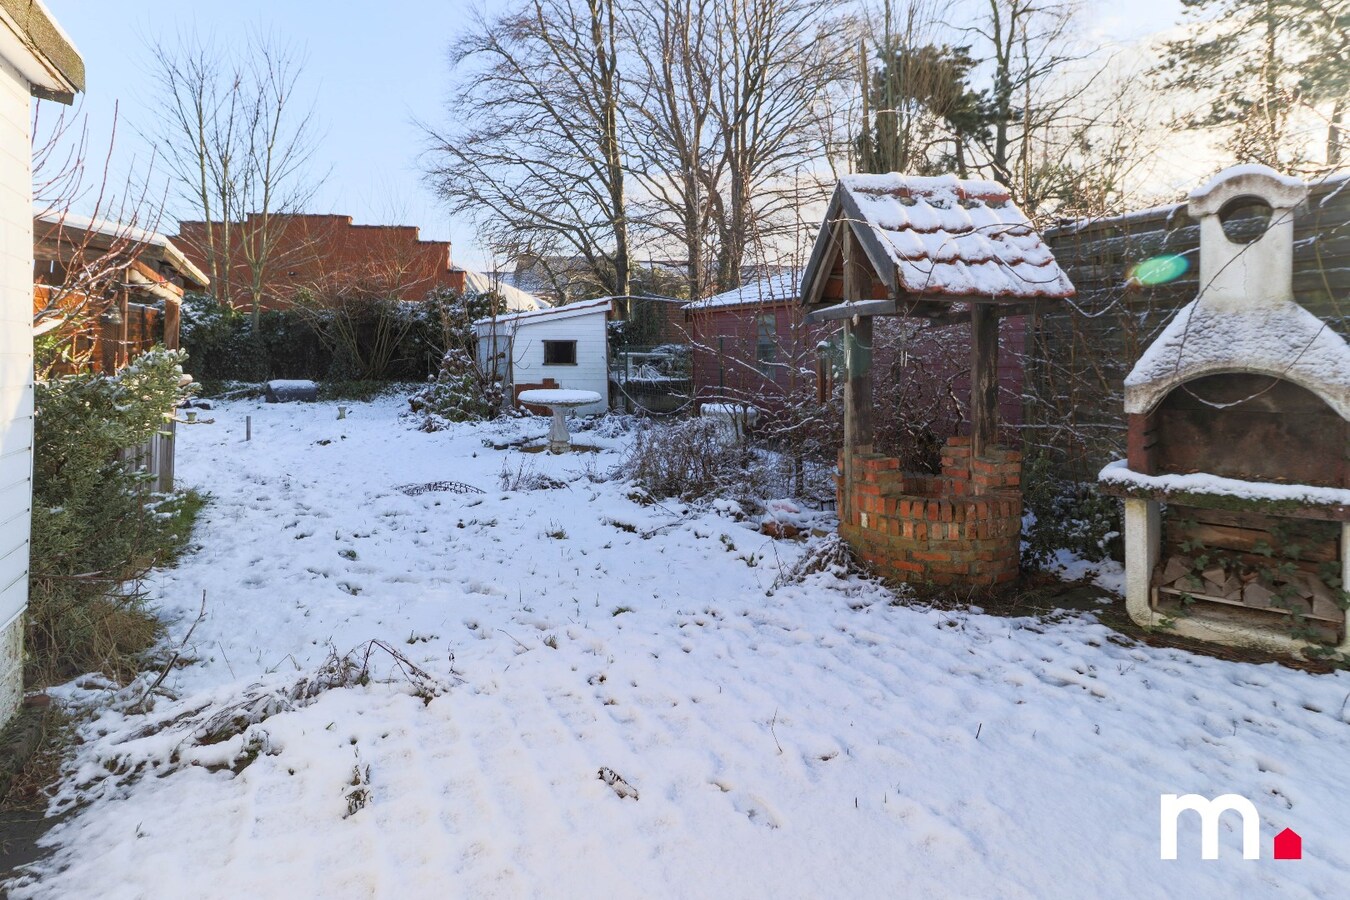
(1159, 270)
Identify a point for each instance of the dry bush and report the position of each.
(690, 460)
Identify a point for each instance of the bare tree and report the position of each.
(82, 262)
(776, 60)
(1031, 48)
(239, 146)
(675, 156)
(281, 142)
(538, 143)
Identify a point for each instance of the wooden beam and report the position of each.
(857, 353)
(849, 310)
(858, 433)
(173, 323)
(983, 378)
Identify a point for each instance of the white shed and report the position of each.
(565, 347)
(36, 60)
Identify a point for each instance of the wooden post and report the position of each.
(858, 388)
(173, 323)
(124, 334)
(983, 377)
(857, 373)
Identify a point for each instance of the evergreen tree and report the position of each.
(1255, 63)
(923, 111)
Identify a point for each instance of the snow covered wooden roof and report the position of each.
(935, 238)
(69, 227)
(566, 311)
(774, 289)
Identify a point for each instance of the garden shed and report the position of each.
(1237, 476)
(947, 250)
(565, 347)
(141, 277)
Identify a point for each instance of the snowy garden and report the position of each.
(419, 663)
(782, 448)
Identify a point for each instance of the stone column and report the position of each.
(1143, 532)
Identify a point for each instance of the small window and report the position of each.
(766, 340)
(560, 353)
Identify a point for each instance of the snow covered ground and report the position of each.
(809, 741)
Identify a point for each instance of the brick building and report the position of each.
(325, 255)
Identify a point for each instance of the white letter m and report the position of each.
(1210, 810)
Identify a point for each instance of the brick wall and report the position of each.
(327, 255)
(962, 527)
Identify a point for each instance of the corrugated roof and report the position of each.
(948, 237)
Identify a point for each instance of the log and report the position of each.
(1257, 595)
(1176, 567)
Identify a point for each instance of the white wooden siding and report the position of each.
(16, 341)
(588, 329)
(591, 371)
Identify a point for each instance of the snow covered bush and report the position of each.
(830, 554)
(690, 460)
(92, 525)
(461, 392)
(142, 731)
(1066, 515)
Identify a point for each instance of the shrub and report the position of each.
(220, 342)
(93, 528)
(460, 393)
(347, 338)
(690, 460)
(1068, 515)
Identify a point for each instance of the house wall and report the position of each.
(16, 377)
(591, 372)
(327, 254)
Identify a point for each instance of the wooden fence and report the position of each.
(155, 458)
(1079, 352)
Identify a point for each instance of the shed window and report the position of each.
(560, 353)
(766, 340)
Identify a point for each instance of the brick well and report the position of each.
(962, 527)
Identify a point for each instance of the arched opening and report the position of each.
(1253, 427)
(1245, 219)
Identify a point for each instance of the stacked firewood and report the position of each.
(1297, 591)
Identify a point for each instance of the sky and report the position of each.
(374, 71)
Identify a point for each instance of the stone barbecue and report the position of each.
(1237, 479)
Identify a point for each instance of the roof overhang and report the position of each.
(843, 212)
(32, 42)
(550, 314)
(57, 235)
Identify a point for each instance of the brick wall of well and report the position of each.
(962, 527)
